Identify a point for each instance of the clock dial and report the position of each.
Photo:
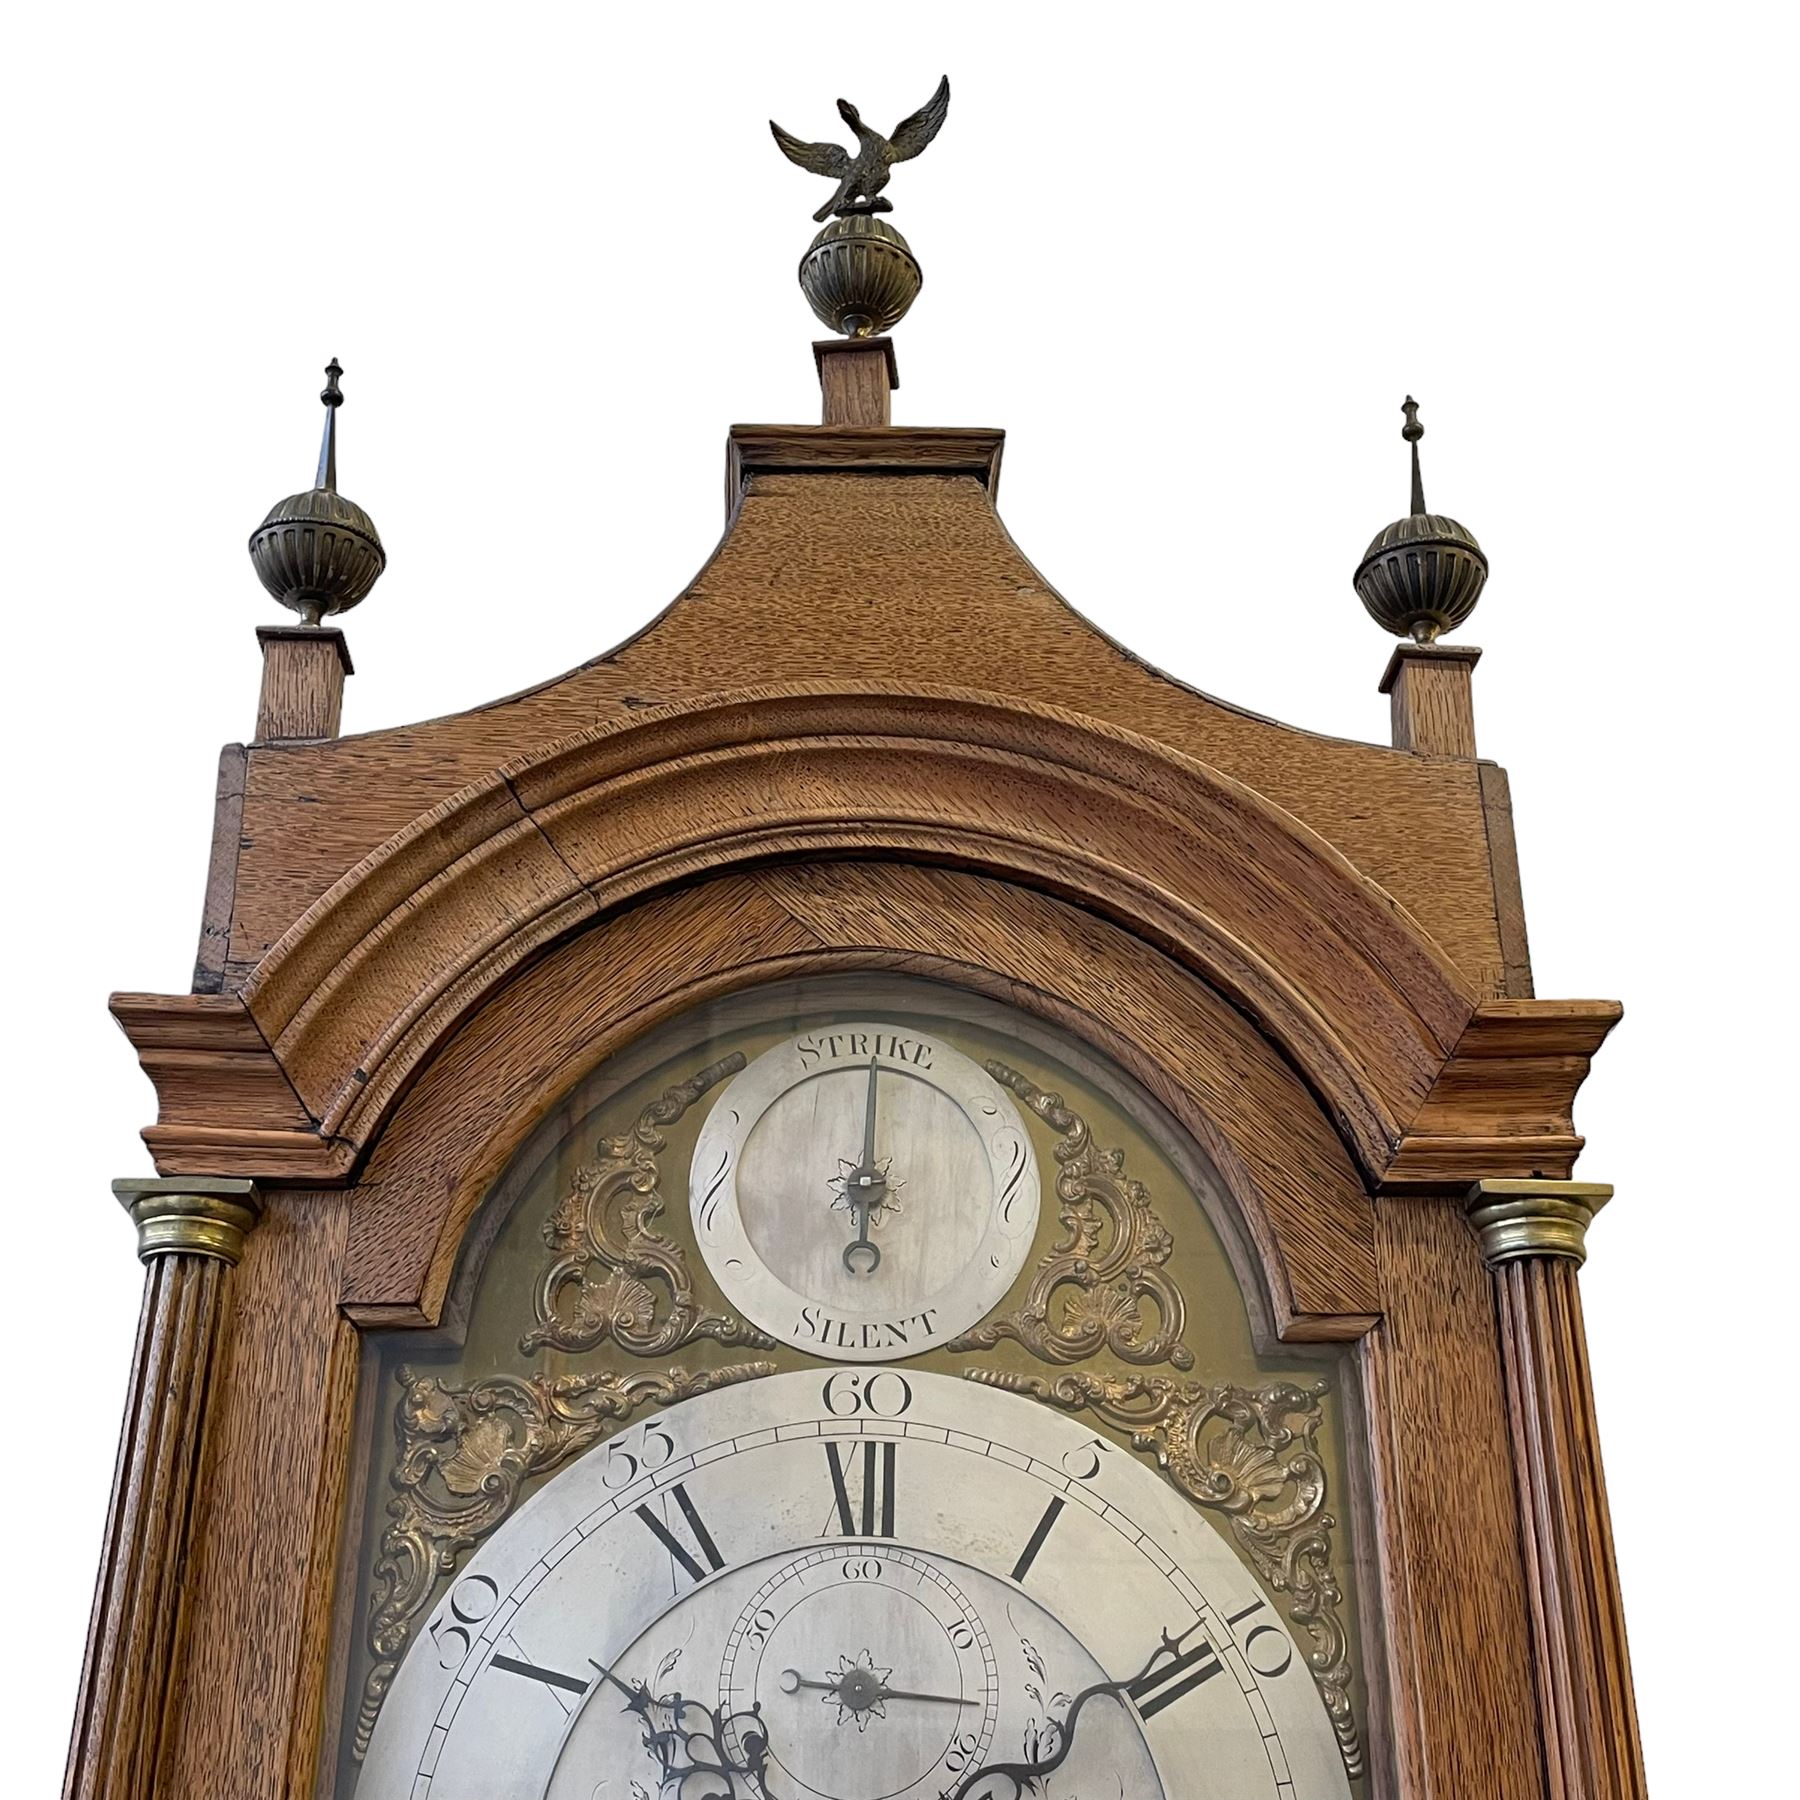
(835, 1568)
(864, 1191)
(853, 1584)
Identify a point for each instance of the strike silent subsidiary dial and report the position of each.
(864, 1191)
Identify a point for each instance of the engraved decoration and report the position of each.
(465, 1454)
(616, 1276)
(1090, 1292)
(1250, 1454)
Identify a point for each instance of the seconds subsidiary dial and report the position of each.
(864, 1191)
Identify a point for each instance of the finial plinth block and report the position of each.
(856, 378)
(860, 276)
(302, 696)
(1430, 688)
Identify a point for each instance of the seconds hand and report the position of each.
(792, 1681)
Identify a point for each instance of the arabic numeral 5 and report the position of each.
(470, 1601)
(1083, 1462)
(634, 1453)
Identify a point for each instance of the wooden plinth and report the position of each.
(303, 682)
(856, 376)
(1431, 690)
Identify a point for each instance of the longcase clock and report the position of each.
(864, 1199)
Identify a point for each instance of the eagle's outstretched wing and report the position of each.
(816, 159)
(911, 136)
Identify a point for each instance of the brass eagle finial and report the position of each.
(861, 177)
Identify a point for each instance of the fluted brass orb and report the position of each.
(860, 275)
(1423, 574)
(318, 552)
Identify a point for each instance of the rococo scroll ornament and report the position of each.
(615, 1275)
(465, 1454)
(1250, 1454)
(1088, 1296)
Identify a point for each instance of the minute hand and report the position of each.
(865, 1187)
(1019, 1773)
(868, 1155)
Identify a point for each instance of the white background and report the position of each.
(1191, 261)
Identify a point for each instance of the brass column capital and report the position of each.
(1534, 1218)
(190, 1217)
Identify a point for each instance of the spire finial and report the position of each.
(318, 552)
(332, 398)
(1412, 431)
(1424, 573)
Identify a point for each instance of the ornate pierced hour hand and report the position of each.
(691, 1741)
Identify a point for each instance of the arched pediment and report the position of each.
(374, 975)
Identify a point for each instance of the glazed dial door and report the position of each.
(855, 1584)
(864, 1192)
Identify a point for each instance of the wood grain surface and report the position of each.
(791, 591)
(245, 1715)
(1458, 1644)
(1430, 688)
(1355, 993)
(1503, 1104)
(856, 378)
(302, 681)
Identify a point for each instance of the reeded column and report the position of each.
(190, 1237)
(1534, 1238)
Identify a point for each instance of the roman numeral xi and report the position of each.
(684, 1558)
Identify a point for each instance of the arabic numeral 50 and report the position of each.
(469, 1602)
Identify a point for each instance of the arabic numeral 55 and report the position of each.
(634, 1453)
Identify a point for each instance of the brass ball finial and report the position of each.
(860, 276)
(317, 552)
(1423, 574)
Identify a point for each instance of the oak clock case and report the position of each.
(780, 1442)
